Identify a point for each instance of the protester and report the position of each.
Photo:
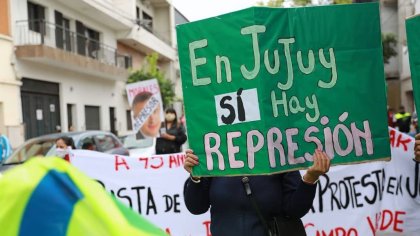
(63, 146)
(5, 148)
(88, 146)
(151, 126)
(171, 140)
(403, 120)
(391, 117)
(232, 213)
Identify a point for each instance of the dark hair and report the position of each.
(68, 141)
(171, 110)
(87, 145)
(141, 97)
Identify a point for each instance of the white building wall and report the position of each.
(127, 6)
(81, 90)
(389, 24)
(75, 88)
(163, 23)
(10, 106)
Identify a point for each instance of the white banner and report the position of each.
(377, 198)
(152, 186)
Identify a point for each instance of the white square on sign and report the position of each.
(237, 107)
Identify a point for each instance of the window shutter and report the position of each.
(81, 39)
(59, 29)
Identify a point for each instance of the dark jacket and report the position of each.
(164, 146)
(232, 212)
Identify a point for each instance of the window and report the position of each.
(62, 32)
(36, 17)
(87, 144)
(93, 44)
(129, 122)
(92, 118)
(105, 143)
(87, 40)
(138, 15)
(147, 21)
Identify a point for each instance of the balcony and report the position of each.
(50, 44)
(145, 39)
(101, 11)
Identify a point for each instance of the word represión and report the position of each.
(275, 143)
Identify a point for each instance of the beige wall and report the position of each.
(10, 106)
(394, 93)
(407, 94)
(137, 56)
(139, 60)
(4, 17)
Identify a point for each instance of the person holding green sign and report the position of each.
(285, 195)
(417, 148)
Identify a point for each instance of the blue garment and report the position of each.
(5, 148)
(231, 210)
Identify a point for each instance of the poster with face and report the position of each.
(146, 108)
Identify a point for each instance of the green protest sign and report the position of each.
(264, 87)
(412, 26)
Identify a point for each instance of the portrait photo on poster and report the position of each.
(146, 108)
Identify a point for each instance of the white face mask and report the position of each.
(61, 152)
(169, 117)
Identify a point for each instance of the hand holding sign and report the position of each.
(417, 148)
(321, 166)
(191, 160)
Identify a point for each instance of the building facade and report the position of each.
(71, 59)
(10, 106)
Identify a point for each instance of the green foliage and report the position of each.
(389, 42)
(271, 3)
(302, 2)
(151, 71)
(342, 1)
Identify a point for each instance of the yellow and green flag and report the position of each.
(48, 196)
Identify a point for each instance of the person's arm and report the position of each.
(299, 192)
(196, 195)
(196, 190)
(180, 136)
(297, 195)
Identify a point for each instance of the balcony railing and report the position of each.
(147, 25)
(39, 32)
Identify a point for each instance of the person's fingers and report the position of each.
(189, 151)
(189, 164)
(192, 156)
(417, 137)
(326, 163)
(191, 159)
(317, 159)
(417, 145)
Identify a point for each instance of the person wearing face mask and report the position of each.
(171, 140)
(62, 147)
